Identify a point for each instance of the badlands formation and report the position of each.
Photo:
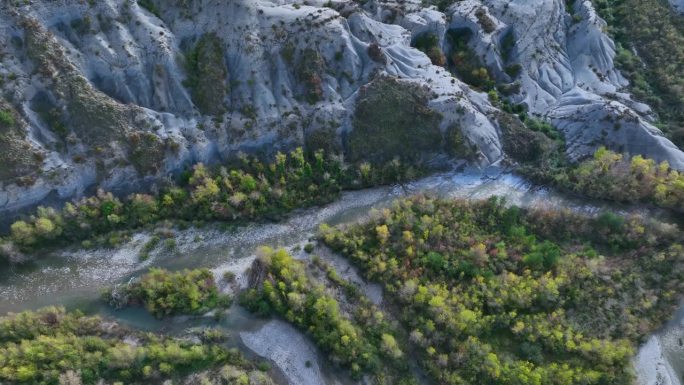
(113, 95)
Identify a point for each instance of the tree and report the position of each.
(23, 233)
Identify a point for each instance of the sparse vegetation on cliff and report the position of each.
(390, 114)
(207, 75)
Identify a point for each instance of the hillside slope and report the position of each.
(118, 94)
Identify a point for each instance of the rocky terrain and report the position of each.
(119, 94)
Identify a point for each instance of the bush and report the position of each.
(6, 118)
(465, 63)
(429, 44)
(488, 25)
(309, 248)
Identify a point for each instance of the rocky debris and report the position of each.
(257, 273)
(289, 349)
(113, 94)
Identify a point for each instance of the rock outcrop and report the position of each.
(678, 6)
(116, 95)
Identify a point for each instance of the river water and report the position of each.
(75, 278)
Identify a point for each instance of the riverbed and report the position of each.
(75, 278)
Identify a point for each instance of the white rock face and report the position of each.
(568, 74)
(133, 65)
(678, 5)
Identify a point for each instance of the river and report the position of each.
(75, 278)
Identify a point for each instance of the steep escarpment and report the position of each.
(118, 93)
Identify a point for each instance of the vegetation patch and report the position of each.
(499, 295)
(17, 157)
(6, 119)
(488, 25)
(525, 144)
(390, 115)
(376, 53)
(150, 6)
(508, 42)
(429, 44)
(539, 148)
(96, 119)
(308, 71)
(608, 175)
(52, 346)
(146, 152)
(164, 293)
(324, 138)
(50, 114)
(357, 337)
(457, 145)
(254, 191)
(207, 75)
(464, 62)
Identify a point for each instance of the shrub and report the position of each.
(464, 62)
(6, 118)
(488, 25)
(376, 54)
(309, 248)
(513, 70)
(429, 44)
